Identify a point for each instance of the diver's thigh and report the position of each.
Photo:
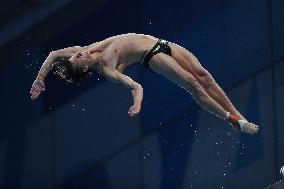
(186, 59)
(169, 68)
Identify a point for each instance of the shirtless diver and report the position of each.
(113, 55)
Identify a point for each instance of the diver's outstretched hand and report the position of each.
(134, 110)
(37, 87)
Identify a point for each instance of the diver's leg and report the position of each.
(213, 89)
(216, 92)
(168, 67)
(191, 64)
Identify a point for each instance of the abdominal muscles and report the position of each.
(131, 49)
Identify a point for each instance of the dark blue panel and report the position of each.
(247, 154)
(278, 27)
(279, 94)
(163, 100)
(18, 111)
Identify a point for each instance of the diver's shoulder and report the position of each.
(132, 34)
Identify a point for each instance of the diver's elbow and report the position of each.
(137, 86)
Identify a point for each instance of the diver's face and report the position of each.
(81, 59)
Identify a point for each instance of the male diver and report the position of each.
(111, 56)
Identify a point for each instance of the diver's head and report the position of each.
(74, 68)
(82, 59)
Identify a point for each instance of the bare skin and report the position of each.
(113, 55)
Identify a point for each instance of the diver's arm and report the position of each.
(46, 66)
(38, 85)
(96, 47)
(136, 89)
(99, 46)
(53, 58)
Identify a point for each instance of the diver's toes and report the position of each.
(250, 131)
(254, 131)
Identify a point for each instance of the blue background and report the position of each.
(81, 136)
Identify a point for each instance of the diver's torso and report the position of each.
(129, 48)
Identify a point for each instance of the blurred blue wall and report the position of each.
(82, 137)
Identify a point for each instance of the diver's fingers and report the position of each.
(36, 95)
(37, 88)
(40, 82)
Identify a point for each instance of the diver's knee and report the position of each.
(191, 83)
(194, 87)
(200, 96)
(205, 79)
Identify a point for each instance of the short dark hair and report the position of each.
(73, 74)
